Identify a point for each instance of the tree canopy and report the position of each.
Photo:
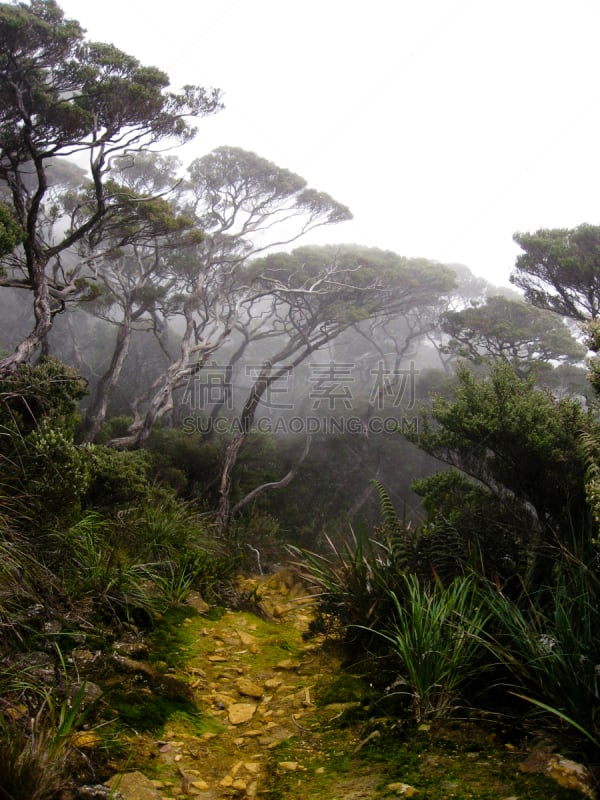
(559, 270)
(61, 95)
(513, 331)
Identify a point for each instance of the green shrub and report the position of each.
(356, 580)
(256, 541)
(116, 478)
(39, 461)
(353, 585)
(178, 544)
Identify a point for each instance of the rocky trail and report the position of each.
(256, 680)
(270, 706)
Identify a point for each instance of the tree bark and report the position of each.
(97, 411)
(232, 451)
(42, 310)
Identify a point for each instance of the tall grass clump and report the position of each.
(352, 585)
(27, 586)
(141, 562)
(100, 572)
(180, 543)
(436, 637)
(31, 768)
(547, 644)
(355, 580)
(37, 730)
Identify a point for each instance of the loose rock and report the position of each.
(241, 712)
(571, 775)
(248, 688)
(403, 789)
(287, 665)
(134, 786)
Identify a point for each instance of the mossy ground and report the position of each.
(340, 742)
(460, 760)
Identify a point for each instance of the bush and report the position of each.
(522, 464)
(38, 458)
(98, 570)
(355, 582)
(116, 478)
(353, 585)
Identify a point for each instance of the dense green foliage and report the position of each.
(520, 450)
(512, 330)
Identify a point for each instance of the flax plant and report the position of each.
(548, 645)
(352, 585)
(436, 636)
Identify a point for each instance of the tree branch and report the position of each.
(274, 484)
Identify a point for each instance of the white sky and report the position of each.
(445, 125)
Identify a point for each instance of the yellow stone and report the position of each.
(287, 664)
(571, 775)
(289, 766)
(248, 688)
(402, 788)
(16, 712)
(89, 739)
(246, 638)
(241, 712)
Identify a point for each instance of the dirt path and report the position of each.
(256, 679)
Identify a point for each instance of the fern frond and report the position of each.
(389, 517)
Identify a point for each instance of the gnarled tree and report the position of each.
(317, 293)
(134, 272)
(61, 96)
(559, 269)
(245, 205)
